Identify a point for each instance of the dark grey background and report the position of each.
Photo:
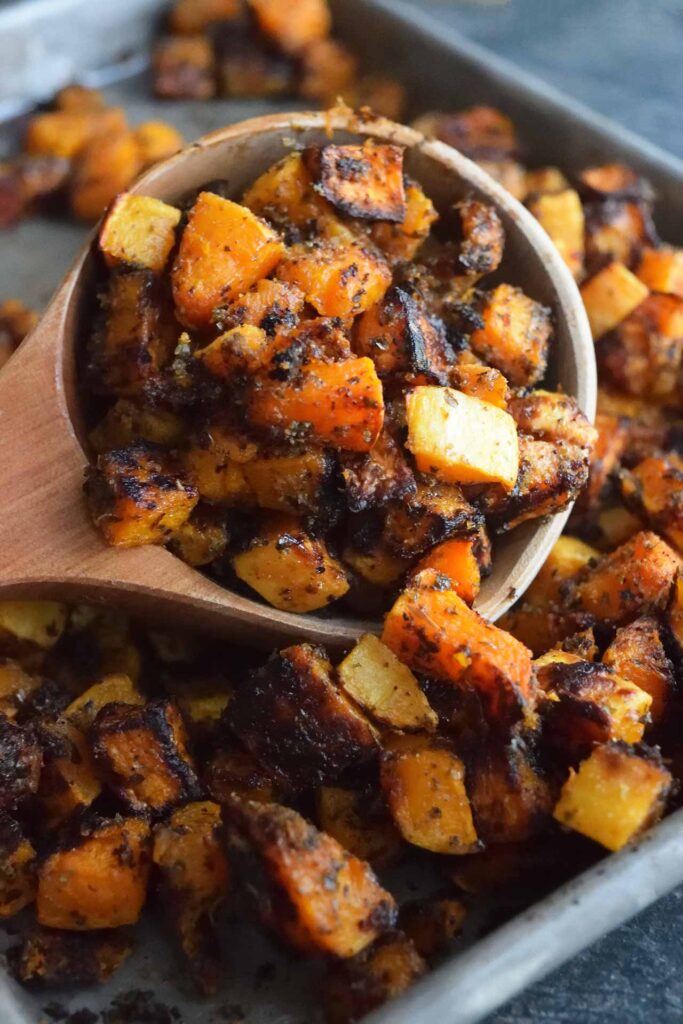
(625, 59)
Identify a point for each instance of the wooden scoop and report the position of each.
(48, 546)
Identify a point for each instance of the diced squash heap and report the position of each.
(610, 296)
(292, 398)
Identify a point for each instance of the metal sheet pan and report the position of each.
(39, 51)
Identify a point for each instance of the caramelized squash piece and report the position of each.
(98, 878)
(552, 416)
(461, 440)
(134, 501)
(327, 69)
(294, 718)
(285, 196)
(338, 278)
(143, 752)
(190, 16)
(434, 513)
(401, 242)
(290, 569)
(291, 482)
(156, 141)
(618, 228)
(354, 987)
(106, 166)
(271, 305)
(511, 800)
(662, 270)
(54, 957)
(223, 251)
(424, 785)
(18, 868)
(184, 67)
(38, 623)
(292, 24)
(637, 653)
(359, 821)
(615, 795)
(20, 764)
(113, 689)
(373, 677)
(335, 904)
(399, 337)
(234, 772)
(364, 181)
(654, 490)
(434, 631)
(631, 581)
(69, 780)
(561, 215)
(643, 357)
(456, 560)
(381, 476)
(239, 353)
(432, 924)
(16, 687)
(138, 231)
(339, 404)
(63, 133)
(215, 462)
(128, 421)
(610, 296)
(482, 382)
(515, 335)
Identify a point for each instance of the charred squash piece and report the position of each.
(552, 416)
(618, 228)
(483, 238)
(616, 794)
(569, 558)
(434, 513)
(424, 786)
(134, 501)
(364, 181)
(481, 382)
(515, 335)
(138, 231)
(238, 354)
(195, 877)
(456, 560)
(143, 751)
(561, 215)
(234, 772)
(319, 897)
(128, 421)
(113, 689)
(55, 957)
(338, 278)
(355, 987)
(202, 539)
(20, 764)
(662, 270)
(223, 251)
(510, 798)
(214, 463)
(610, 296)
(373, 677)
(292, 24)
(461, 440)
(18, 868)
(610, 445)
(432, 924)
(290, 569)
(609, 180)
(106, 166)
(184, 67)
(97, 879)
(399, 337)
(291, 481)
(637, 653)
(434, 631)
(69, 781)
(631, 581)
(271, 305)
(293, 717)
(338, 404)
(16, 687)
(476, 131)
(654, 490)
(359, 821)
(401, 242)
(381, 476)
(643, 357)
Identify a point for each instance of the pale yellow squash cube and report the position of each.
(139, 231)
(461, 439)
(35, 622)
(561, 215)
(611, 296)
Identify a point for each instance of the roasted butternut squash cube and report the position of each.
(616, 525)
(552, 416)
(432, 924)
(461, 440)
(106, 166)
(631, 581)
(425, 791)
(434, 631)
(247, 68)
(337, 278)
(16, 687)
(475, 131)
(662, 270)
(223, 251)
(290, 569)
(643, 357)
(569, 557)
(397, 334)
(327, 68)
(202, 539)
(293, 716)
(615, 179)
(18, 868)
(63, 133)
(401, 242)
(234, 772)
(113, 689)
(38, 623)
(353, 988)
(214, 463)
(291, 482)
(189, 852)
(610, 445)
(292, 24)
(435, 512)
(69, 780)
(55, 957)
(381, 476)
(97, 878)
(156, 141)
(654, 490)
(364, 180)
(240, 352)
(127, 421)
(515, 335)
(375, 563)
(618, 228)
(20, 764)
(373, 677)
(285, 196)
(337, 905)
(271, 305)
(610, 296)
(337, 404)
(638, 654)
(456, 560)
(184, 67)
(134, 501)
(139, 231)
(190, 16)
(482, 382)
(143, 752)
(616, 794)
(359, 821)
